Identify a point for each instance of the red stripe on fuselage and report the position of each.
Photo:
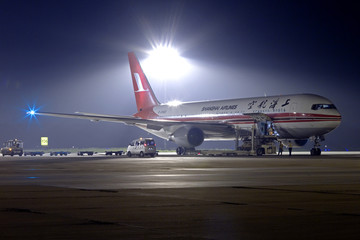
(281, 117)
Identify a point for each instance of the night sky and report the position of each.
(68, 56)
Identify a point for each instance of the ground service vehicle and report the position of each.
(142, 147)
(82, 153)
(40, 153)
(61, 153)
(117, 153)
(13, 147)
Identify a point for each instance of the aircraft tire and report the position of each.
(180, 151)
(318, 152)
(259, 151)
(315, 152)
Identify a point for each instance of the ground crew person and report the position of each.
(281, 146)
(270, 131)
(290, 148)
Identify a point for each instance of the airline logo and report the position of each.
(139, 83)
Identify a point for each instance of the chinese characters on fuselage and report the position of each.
(263, 105)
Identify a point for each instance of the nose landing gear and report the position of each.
(316, 151)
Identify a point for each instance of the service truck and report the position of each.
(142, 147)
(13, 147)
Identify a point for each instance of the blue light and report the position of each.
(31, 112)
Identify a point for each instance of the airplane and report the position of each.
(292, 118)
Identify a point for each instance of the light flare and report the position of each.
(174, 103)
(165, 63)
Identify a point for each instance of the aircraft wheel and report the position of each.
(315, 152)
(180, 151)
(318, 152)
(259, 151)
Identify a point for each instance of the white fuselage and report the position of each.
(297, 116)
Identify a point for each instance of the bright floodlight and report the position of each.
(165, 63)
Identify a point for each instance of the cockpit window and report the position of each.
(323, 106)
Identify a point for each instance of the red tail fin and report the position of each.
(144, 95)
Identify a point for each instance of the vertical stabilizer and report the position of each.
(144, 95)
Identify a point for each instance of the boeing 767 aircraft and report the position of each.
(290, 118)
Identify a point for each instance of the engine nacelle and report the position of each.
(300, 142)
(188, 137)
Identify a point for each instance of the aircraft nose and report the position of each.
(339, 118)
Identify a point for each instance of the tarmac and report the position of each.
(170, 197)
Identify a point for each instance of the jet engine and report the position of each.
(188, 137)
(300, 142)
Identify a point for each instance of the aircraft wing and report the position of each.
(212, 129)
(99, 117)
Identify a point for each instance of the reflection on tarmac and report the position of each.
(178, 172)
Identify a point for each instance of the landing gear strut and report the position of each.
(316, 151)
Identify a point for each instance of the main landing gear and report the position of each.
(316, 151)
(183, 150)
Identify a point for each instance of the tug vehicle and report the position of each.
(13, 147)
